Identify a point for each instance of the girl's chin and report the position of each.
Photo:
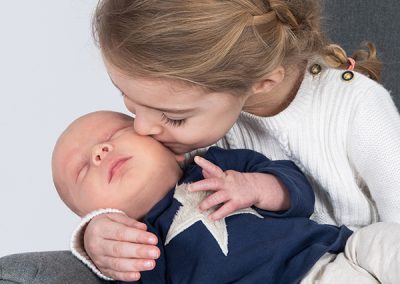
(178, 149)
(179, 157)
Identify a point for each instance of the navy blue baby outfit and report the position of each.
(251, 246)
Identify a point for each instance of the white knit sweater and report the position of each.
(345, 136)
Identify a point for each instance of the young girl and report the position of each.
(247, 74)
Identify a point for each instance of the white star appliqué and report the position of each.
(188, 214)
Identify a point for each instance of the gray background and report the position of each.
(349, 23)
(50, 73)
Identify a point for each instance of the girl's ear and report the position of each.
(269, 81)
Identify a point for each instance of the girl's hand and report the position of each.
(235, 190)
(120, 247)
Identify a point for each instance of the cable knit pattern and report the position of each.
(345, 136)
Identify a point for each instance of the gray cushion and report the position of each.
(45, 268)
(349, 23)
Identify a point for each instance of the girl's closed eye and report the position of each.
(173, 122)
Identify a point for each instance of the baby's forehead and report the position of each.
(101, 122)
(93, 128)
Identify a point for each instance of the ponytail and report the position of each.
(366, 59)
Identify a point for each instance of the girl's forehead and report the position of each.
(121, 80)
(153, 86)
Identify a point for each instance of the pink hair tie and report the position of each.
(352, 63)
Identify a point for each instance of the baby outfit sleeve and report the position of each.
(300, 190)
(374, 150)
(76, 245)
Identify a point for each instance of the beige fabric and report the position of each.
(372, 255)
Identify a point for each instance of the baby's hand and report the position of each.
(120, 247)
(232, 189)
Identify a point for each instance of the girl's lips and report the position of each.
(115, 166)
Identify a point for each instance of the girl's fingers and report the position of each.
(122, 276)
(120, 232)
(126, 264)
(209, 169)
(115, 249)
(123, 219)
(213, 200)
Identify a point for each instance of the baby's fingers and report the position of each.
(209, 169)
(223, 211)
(213, 200)
(213, 184)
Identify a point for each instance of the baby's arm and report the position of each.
(252, 179)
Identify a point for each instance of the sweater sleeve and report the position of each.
(374, 150)
(243, 160)
(76, 245)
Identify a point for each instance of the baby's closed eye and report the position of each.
(81, 172)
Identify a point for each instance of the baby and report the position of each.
(97, 161)
(100, 162)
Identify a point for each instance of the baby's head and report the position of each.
(99, 161)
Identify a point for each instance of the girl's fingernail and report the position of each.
(135, 276)
(153, 240)
(153, 253)
(148, 264)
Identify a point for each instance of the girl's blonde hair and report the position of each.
(222, 45)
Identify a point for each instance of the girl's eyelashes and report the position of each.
(172, 122)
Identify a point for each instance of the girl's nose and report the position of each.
(99, 152)
(146, 126)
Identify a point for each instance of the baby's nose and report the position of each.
(99, 152)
